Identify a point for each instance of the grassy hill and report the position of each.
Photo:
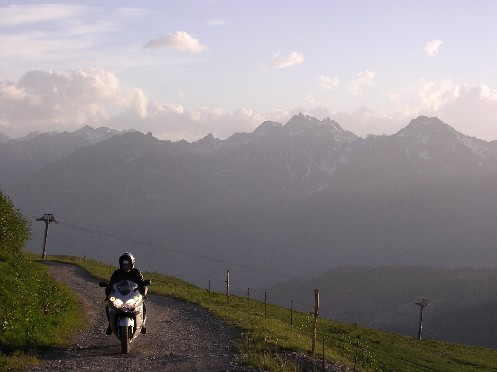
(35, 311)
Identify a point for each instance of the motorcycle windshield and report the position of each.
(125, 287)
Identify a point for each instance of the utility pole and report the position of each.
(228, 286)
(48, 218)
(422, 304)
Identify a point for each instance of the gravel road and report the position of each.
(180, 336)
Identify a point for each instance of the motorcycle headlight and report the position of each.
(116, 302)
(131, 303)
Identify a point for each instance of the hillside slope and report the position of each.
(462, 302)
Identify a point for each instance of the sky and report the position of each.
(182, 69)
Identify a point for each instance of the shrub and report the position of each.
(14, 230)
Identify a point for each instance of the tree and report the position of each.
(14, 229)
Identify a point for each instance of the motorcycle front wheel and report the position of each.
(125, 341)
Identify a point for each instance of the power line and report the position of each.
(177, 251)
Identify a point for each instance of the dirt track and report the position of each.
(180, 336)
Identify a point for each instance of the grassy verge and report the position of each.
(35, 312)
(268, 337)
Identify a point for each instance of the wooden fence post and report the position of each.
(265, 304)
(316, 313)
(291, 314)
(356, 358)
(324, 360)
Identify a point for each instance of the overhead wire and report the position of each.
(176, 251)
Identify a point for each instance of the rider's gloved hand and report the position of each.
(143, 291)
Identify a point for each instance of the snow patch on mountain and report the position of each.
(478, 147)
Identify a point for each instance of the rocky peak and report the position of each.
(308, 126)
(93, 135)
(206, 144)
(424, 125)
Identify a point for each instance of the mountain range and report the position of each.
(286, 201)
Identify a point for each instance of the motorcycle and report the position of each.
(126, 311)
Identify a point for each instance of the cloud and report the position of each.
(431, 48)
(56, 101)
(293, 59)
(42, 99)
(473, 111)
(179, 40)
(429, 98)
(65, 101)
(366, 121)
(130, 12)
(327, 82)
(282, 116)
(16, 15)
(20, 49)
(435, 95)
(50, 35)
(320, 112)
(364, 79)
(308, 98)
(172, 122)
(159, 107)
(394, 98)
(217, 22)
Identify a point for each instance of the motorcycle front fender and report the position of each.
(126, 322)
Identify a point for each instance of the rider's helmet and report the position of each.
(126, 258)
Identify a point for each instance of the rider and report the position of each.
(126, 271)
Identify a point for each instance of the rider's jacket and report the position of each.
(134, 275)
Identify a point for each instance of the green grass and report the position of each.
(35, 312)
(267, 335)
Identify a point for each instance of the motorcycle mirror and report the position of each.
(103, 284)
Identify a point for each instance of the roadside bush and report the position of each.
(35, 311)
(14, 229)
